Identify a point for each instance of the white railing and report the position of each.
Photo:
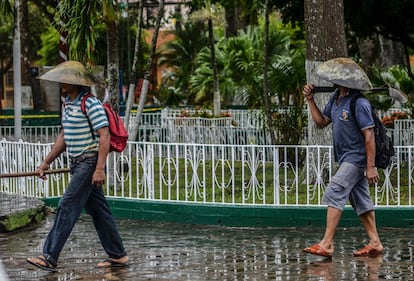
(163, 134)
(403, 132)
(43, 134)
(243, 118)
(210, 174)
(168, 126)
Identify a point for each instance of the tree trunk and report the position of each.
(216, 87)
(112, 57)
(133, 75)
(392, 53)
(369, 50)
(267, 101)
(325, 39)
(26, 88)
(17, 77)
(113, 65)
(144, 88)
(24, 37)
(112, 90)
(235, 20)
(380, 51)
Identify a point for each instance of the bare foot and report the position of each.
(108, 263)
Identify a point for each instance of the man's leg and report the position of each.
(336, 196)
(333, 217)
(325, 247)
(368, 220)
(70, 207)
(361, 201)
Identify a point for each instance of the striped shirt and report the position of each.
(77, 133)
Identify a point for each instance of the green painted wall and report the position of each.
(247, 216)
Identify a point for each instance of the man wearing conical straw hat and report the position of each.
(87, 144)
(354, 151)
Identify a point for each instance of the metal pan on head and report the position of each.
(347, 73)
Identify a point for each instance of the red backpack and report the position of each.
(117, 131)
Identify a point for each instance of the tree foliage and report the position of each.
(80, 18)
(394, 19)
(178, 56)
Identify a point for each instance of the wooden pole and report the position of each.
(34, 173)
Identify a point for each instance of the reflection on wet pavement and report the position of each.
(166, 251)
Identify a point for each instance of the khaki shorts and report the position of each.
(349, 183)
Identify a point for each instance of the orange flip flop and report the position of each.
(367, 251)
(317, 250)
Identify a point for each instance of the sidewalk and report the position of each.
(172, 251)
(184, 252)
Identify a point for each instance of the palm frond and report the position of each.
(6, 7)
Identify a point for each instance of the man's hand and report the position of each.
(307, 91)
(98, 177)
(40, 170)
(372, 175)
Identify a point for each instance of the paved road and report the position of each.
(187, 252)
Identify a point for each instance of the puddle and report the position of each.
(167, 251)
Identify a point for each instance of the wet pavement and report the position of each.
(168, 251)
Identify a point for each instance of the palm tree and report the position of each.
(209, 13)
(144, 88)
(82, 16)
(110, 20)
(179, 56)
(137, 51)
(202, 80)
(266, 74)
(6, 44)
(240, 63)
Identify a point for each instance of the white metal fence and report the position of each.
(175, 132)
(209, 174)
(168, 126)
(241, 127)
(403, 132)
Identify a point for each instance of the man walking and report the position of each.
(87, 155)
(354, 150)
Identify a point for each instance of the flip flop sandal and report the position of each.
(47, 264)
(112, 264)
(317, 250)
(367, 251)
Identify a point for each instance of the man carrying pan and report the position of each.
(354, 152)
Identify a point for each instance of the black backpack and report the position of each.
(384, 148)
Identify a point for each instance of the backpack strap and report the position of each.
(83, 109)
(353, 102)
(83, 103)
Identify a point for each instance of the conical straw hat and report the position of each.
(344, 72)
(69, 72)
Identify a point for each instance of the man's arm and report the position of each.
(98, 177)
(320, 120)
(57, 149)
(371, 172)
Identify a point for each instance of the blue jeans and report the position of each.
(82, 194)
